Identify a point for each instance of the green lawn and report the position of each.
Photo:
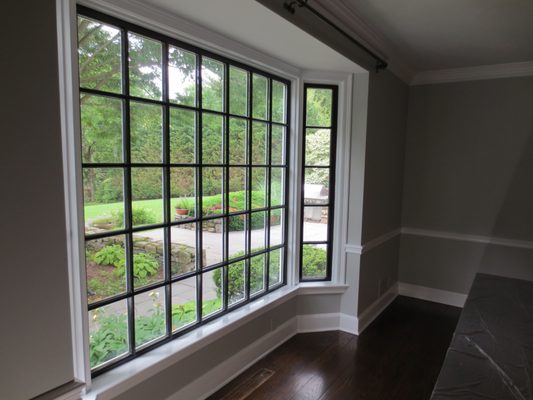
(155, 207)
(97, 211)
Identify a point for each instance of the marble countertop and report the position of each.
(491, 354)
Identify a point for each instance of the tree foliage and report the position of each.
(103, 117)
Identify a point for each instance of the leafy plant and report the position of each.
(185, 203)
(110, 339)
(109, 255)
(144, 265)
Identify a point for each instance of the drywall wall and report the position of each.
(468, 169)
(384, 158)
(382, 196)
(35, 339)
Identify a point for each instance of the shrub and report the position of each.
(236, 277)
(314, 263)
(109, 255)
(140, 216)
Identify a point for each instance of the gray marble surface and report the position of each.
(491, 354)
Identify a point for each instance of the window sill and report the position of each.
(122, 378)
(321, 288)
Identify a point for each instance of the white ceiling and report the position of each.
(442, 34)
(252, 24)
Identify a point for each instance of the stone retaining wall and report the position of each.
(182, 257)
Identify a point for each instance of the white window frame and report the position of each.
(119, 379)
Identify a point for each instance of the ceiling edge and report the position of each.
(481, 72)
(350, 21)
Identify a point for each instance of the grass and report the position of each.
(155, 206)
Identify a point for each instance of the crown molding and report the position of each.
(347, 17)
(482, 72)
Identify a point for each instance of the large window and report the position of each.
(184, 165)
(318, 177)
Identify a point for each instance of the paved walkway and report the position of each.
(185, 291)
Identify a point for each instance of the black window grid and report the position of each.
(331, 167)
(127, 165)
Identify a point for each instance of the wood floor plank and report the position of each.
(398, 357)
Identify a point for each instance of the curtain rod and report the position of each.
(291, 7)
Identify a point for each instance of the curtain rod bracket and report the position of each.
(291, 5)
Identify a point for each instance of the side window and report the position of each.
(318, 180)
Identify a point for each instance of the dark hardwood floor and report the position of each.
(398, 357)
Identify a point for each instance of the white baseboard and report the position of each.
(431, 294)
(318, 322)
(226, 371)
(376, 308)
(348, 323)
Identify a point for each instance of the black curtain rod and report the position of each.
(291, 7)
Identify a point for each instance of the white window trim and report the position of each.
(122, 377)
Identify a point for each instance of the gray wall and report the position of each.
(382, 201)
(35, 339)
(468, 169)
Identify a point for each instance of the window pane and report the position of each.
(236, 282)
(147, 196)
(316, 187)
(317, 146)
(237, 189)
(319, 106)
(181, 76)
(212, 189)
(278, 145)
(237, 140)
(275, 275)
(259, 187)
(146, 131)
(212, 232)
(182, 136)
(212, 85)
(212, 291)
(238, 91)
(314, 261)
(237, 235)
(183, 303)
(316, 215)
(277, 225)
(260, 97)
(279, 98)
(257, 274)
(258, 234)
(101, 129)
(150, 316)
(108, 333)
(99, 50)
(103, 199)
(277, 187)
(212, 139)
(315, 227)
(182, 193)
(105, 267)
(183, 249)
(148, 257)
(145, 63)
(259, 143)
